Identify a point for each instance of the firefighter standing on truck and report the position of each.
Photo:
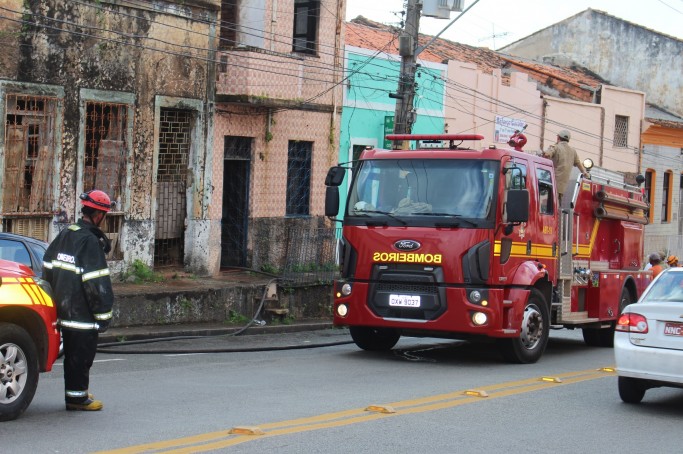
(564, 157)
(76, 268)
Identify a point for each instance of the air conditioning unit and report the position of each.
(441, 9)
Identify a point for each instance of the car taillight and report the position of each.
(632, 323)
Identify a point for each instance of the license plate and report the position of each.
(404, 300)
(673, 329)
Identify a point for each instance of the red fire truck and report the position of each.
(29, 339)
(460, 243)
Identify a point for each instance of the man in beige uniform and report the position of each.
(564, 157)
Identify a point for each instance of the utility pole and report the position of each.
(404, 116)
(409, 49)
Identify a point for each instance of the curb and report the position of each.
(204, 330)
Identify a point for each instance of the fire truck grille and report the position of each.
(411, 289)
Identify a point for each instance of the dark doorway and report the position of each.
(235, 217)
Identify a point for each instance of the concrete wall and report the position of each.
(626, 54)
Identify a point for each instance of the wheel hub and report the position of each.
(532, 327)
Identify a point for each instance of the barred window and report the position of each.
(620, 131)
(306, 15)
(106, 148)
(299, 178)
(27, 181)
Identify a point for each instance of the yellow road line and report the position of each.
(223, 438)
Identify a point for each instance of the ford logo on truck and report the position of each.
(407, 245)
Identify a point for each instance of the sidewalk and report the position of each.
(186, 305)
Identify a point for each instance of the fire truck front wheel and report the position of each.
(18, 371)
(374, 339)
(534, 332)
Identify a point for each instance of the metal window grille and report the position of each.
(30, 144)
(106, 148)
(620, 131)
(299, 178)
(306, 14)
(309, 254)
(175, 128)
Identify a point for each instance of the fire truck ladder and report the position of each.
(567, 278)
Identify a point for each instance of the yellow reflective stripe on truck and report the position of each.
(520, 250)
(23, 291)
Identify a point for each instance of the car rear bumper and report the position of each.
(648, 363)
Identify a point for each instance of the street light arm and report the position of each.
(421, 48)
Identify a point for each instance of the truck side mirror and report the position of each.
(517, 205)
(335, 176)
(331, 200)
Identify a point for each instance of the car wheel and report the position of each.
(374, 339)
(533, 338)
(18, 371)
(631, 390)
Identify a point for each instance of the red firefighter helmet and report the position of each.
(97, 199)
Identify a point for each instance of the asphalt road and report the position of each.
(426, 395)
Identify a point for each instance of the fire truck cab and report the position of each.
(461, 243)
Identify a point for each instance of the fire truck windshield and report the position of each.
(425, 192)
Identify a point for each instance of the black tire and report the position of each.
(533, 339)
(631, 390)
(604, 337)
(18, 371)
(374, 339)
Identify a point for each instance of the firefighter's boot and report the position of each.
(87, 405)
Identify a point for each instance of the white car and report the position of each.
(648, 340)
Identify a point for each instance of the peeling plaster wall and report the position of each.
(146, 48)
(623, 53)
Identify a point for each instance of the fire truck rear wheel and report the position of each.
(374, 339)
(530, 345)
(18, 371)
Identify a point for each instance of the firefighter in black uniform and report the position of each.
(76, 268)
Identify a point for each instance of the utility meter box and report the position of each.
(441, 9)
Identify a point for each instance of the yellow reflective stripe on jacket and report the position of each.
(63, 265)
(77, 325)
(74, 227)
(104, 316)
(23, 291)
(95, 274)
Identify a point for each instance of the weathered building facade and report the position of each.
(115, 96)
(276, 130)
(624, 53)
(662, 141)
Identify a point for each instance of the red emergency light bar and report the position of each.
(434, 137)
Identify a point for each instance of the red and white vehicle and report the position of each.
(461, 243)
(29, 339)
